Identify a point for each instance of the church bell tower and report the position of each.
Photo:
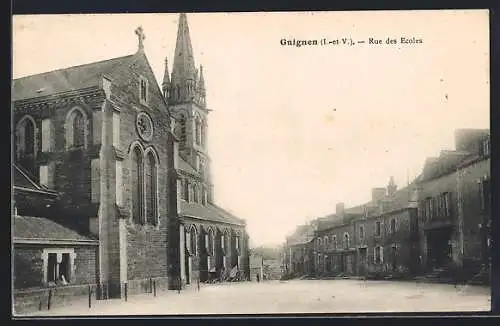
(185, 93)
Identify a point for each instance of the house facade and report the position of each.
(454, 204)
(298, 252)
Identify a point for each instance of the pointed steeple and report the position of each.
(201, 88)
(183, 70)
(196, 79)
(165, 86)
(201, 82)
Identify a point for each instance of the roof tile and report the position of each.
(64, 80)
(209, 212)
(28, 227)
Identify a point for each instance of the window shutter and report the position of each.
(375, 254)
(381, 254)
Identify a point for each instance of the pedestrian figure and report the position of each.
(258, 278)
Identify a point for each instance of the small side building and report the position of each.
(49, 253)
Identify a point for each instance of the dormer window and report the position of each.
(143, 90)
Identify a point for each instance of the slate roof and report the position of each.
(24, 180)
(447, 162)
(186, 167)
(66, 79)
(302, 234)
(401, 199)
(29, 227)
(209, 212)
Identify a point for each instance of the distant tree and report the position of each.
(267, 253)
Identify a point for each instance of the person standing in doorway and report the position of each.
(258, 277)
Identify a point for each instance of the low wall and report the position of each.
(30, 300)
(34, 299)
(146, 285)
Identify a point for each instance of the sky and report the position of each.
(295, 130)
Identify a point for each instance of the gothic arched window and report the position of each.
(225, 241)
(211, 242)
(195, 193)
(26, 141)
(201, 168)
(203, 134)
(78, 130)
(237, 243)
(29, 138)
(182, 123)
(185, 190)
(198, 130)
(137, 186)
(203, 196)
(151, 188)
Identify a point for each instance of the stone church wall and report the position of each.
(146, 248)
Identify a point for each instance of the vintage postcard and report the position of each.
(251, 163)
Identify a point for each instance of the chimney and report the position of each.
(378, 193)
(414, 194)
(469, 140)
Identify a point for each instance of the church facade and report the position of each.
(112, 183)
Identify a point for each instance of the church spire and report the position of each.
(183, 70)
(201, 82)
(165, 86)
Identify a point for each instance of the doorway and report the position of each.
(188, 267)
(439, 250)
(362, 261)
(343, 263)
(394, 252)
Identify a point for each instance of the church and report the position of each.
(112, 183)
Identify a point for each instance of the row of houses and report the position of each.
(441, 221)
